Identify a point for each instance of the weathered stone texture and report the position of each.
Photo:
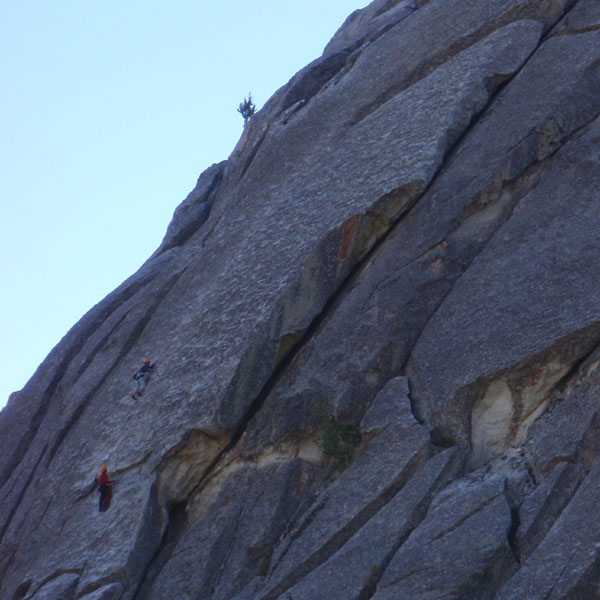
(459, 550)
(352, 572)
(383, 467)
(566, 563)
(231, 529)
(191, 214)
(405, 237)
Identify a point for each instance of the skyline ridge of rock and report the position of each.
(405, 238)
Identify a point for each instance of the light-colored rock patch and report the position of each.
(490, 422)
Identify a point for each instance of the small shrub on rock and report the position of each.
(336, 439)
(247, 108)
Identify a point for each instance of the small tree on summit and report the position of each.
(247, 108)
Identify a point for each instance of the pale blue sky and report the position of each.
(109, 113)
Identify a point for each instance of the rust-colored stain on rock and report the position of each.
(348, 230)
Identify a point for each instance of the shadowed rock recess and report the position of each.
(406, 239)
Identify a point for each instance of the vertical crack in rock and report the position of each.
(249, 160)
(453, 469)
(228, 552)
(536, 518)
(515, 522)
(177, 521)
(244, 510)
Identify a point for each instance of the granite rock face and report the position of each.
(403, 248)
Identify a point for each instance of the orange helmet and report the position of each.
(147, 361)
(103, 469)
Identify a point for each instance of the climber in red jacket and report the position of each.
(104, 490)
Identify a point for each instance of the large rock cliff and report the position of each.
(404, 245)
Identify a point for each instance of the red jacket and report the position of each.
(104, 480)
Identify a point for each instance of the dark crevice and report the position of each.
(573, 372)
(311, 80)
(304, 339)
(251, 156)
(299, 521)
(22, 590)
(515, 522)
(419, 514)
(554, 507)
(173, 533)
(456, 524)
(244, 510)
(293, 110)
(296, 533)
(569, 8)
